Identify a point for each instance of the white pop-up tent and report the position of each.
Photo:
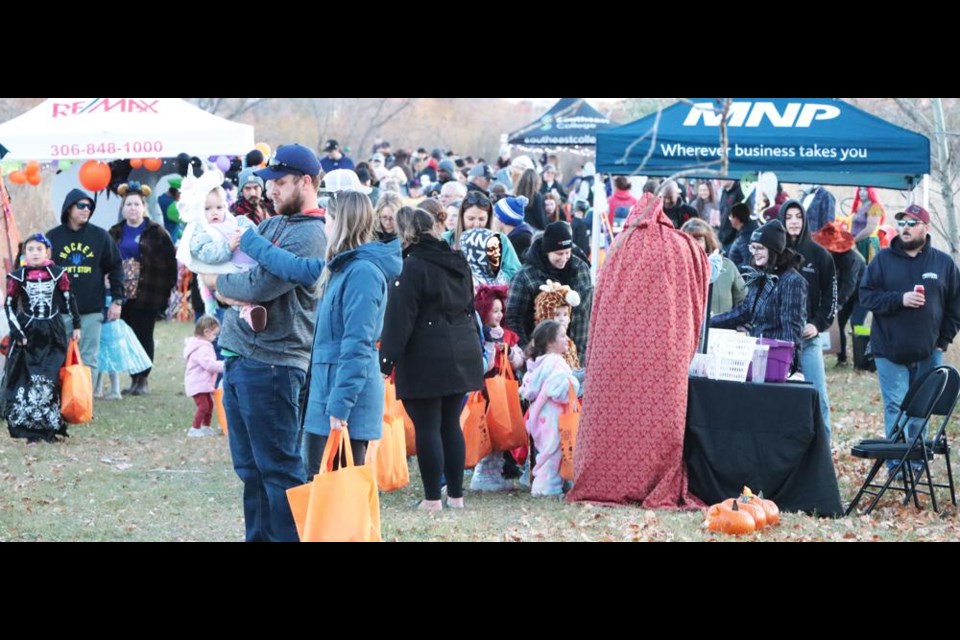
(111, 128)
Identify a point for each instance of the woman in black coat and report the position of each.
(431, 339)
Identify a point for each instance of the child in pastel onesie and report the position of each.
(547, 387)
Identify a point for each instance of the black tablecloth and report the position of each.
(769, 437)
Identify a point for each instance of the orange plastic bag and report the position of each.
(569, 424)
(338, 506)
(390, 456)
(76, 387)
(218, 407)
(393, 408)
(476, 436)
(504, 415)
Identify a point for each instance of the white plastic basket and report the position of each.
(732, 354)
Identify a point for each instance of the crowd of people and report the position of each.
(325, 276)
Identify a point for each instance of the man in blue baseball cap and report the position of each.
(265, 371)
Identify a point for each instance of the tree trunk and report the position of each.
(946, 178)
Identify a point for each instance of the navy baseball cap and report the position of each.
(294, 159)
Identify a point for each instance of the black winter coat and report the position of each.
(430, 332)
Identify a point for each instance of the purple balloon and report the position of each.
(213, 159)
(223, 163)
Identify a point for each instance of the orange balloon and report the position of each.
(136, 163)
(33, 168)
(33, 178)
(94, 175)
(152, 164)
(17, 177)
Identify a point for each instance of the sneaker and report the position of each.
(195, 433)
(481, 482)
(112, 396)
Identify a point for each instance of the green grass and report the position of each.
(132, 474)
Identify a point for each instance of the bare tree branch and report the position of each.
(911, 109)
(247, 105)
(233, 107)
(379, 118)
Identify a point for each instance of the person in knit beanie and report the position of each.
(776, 302)
(556, 302)
(509, 213)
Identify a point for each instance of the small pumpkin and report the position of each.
(770, 507)
(749, 504)
(732, 520)
(736, 521)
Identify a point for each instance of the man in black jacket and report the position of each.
(818, 270)
(87, 253)
(673, 205)
(913, 291)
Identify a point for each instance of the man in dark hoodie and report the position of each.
(264, 372)
(818, 269)
(87, 253)
(913, 291)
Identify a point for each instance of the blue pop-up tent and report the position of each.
(572, 122)
(811, 140)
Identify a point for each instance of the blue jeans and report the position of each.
(811, 364)
(895, 380)
(262, 403)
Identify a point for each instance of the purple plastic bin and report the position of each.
(779, 360)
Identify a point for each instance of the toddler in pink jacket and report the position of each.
(200, 377)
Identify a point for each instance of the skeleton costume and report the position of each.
(36, 298)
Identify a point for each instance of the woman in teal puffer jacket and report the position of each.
(345, 381)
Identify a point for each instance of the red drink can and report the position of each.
(919, 289)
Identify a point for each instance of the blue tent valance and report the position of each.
(812, 140)
(569, 123)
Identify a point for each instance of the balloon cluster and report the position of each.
(150, 164)
(30, 174)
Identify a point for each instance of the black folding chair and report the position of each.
(919, 403)
(939, 445)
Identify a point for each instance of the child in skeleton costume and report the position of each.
(37, 294)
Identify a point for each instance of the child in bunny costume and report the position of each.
(211, 240)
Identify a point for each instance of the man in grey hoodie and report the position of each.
(265, 372)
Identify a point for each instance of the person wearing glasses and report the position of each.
(265, 372)
(913, 291)
(776, 301)
(88, 255)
